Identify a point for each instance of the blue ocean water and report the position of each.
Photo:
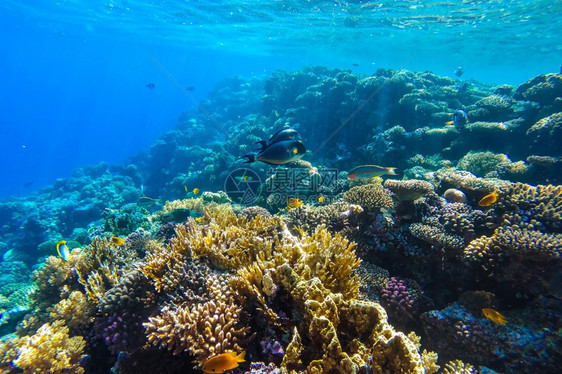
(400, 209)
(74, 74)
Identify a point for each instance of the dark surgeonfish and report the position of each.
(278, 153)
(284, 134)
(460, 119)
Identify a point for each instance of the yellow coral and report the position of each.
(205, 329)
(50, 350)
(74, 310)
(458, 367)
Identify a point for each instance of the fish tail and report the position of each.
(391, 171)
(250, 158)
(240, 357)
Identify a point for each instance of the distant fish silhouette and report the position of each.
(459, 71)
(150, 86)
(190, 88)
(355, 64)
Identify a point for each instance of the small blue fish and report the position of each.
(63, 251)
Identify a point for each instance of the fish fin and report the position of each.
(262, 144)
(250, 158)
(391, 171)
(240, 357)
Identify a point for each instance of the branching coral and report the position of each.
(369, 340)
(436, 235)
(508, 241)
(50, 350)
(540, 203)
(205, 329)
(458, 367)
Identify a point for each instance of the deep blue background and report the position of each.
(74, 74)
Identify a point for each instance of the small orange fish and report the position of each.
(494, 316)
(489, 199)
(222, 362)
(117, 240)
(321, 199)
(195, 191)
(294, 202)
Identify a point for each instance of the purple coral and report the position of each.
(121, 333)
(400, 299)
(398, 294)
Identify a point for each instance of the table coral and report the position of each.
(370, 197)
(543, 88)
(436, 235)
(408, 190)
(546, 134)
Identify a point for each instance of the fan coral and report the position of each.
(408, 190)
(50, 350)
(370, 197)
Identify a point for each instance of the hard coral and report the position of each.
(204, 329)
(50, 350)
(408, 190)
(436, 235)
(371, 197)
(369, 341)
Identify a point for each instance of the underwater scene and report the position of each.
(274, 187)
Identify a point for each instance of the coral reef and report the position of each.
(304, 287)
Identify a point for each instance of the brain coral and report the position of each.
(481, 163)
